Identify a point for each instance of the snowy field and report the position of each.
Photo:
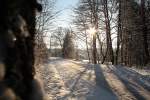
(73, 80)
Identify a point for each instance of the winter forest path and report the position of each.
(72, 80)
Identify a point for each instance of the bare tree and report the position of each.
(59, 35)
(87, 17)
(81, 22)
(108, 31)
(44, 25)
(145, 31)
(119, 32)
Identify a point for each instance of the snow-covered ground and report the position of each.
(73, 80)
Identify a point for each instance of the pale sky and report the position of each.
(64, 17)
(66, 6)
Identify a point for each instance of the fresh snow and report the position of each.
(76, 80)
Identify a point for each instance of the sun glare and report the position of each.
(92, 31)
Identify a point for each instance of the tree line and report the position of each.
(122, 30)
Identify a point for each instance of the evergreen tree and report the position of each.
(68, 45)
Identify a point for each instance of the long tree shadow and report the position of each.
(102, 90)
(132, 88)
(133, 74)
(74, 81)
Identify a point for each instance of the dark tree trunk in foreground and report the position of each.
(17, 31)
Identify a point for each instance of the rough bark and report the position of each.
(17, 30)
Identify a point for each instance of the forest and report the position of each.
(115, 31)
(74, 49)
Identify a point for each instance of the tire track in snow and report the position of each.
(53, 84)
(72, 74)
(124, 84)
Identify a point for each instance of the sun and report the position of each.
(92, 31)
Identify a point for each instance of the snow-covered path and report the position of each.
(71, 80)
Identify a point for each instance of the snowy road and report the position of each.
(72, 80)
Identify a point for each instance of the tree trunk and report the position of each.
(94, 50)
(119, 33)
(145, 33)
(87, 48)
(108, 33)
(19, 44)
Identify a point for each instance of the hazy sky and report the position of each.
(65, 16)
